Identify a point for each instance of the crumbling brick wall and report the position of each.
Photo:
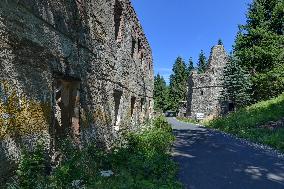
(75, 55)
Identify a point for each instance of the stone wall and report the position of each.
(205, 89)
(88, 59)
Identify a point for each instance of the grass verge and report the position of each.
(187, 120)
(144, 162)
(248, 123)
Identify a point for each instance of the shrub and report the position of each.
(32, 169)
(161, 123)
(143, 163)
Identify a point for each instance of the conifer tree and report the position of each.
(259, 46)
(237, 84)
(202, 62)
(190, 65)
(160, 93)
(220, 42)
(178, 84)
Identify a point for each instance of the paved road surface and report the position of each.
(212, 160)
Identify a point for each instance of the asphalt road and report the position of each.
(209, 159)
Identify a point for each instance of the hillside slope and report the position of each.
(262, 122)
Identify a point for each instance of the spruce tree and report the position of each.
(190, 67)
(220, 42)
(202, 62)
(237, 84)
(160, 93)
(259, 46)
(178, 84)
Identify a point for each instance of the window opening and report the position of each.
(139, 46)
(133, 100)
(141, 57)
(142, 104)
(67, 108)
(117, 19)
(133, 47)
(231, 107)
(117, 98)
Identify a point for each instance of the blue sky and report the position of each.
(184, 27)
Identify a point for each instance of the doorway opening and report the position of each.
(67, 109)
(231, 107)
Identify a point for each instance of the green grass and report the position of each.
(187, 120)
(246, 122)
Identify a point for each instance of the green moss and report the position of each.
(19, 120)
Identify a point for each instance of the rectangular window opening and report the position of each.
(117, 19)
(142, 104)
(133, 47)
(133, 101)
(141, 57)
(117, 98)
(231, 107)
(139, 45)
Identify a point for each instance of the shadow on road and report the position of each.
(212, 160)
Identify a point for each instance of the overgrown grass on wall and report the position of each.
(250, 122)
(144, 162)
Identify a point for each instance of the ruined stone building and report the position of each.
(205, 88)
(81, 68)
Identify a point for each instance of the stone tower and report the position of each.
(205, 89)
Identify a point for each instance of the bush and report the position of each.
(161, 123)
(32, 168)
(143, 163)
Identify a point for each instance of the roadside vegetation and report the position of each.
(260, 123)
(187, 120)
(144, 162)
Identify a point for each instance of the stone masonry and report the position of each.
(205, 89)
(88, 60)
